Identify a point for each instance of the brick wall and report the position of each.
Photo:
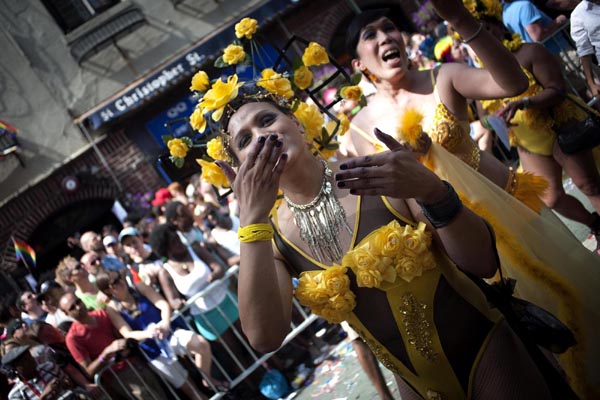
(21, 215)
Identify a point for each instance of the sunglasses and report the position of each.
(76, 303)
(77, 267)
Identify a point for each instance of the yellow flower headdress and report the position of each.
(285, 83)
(484, 8)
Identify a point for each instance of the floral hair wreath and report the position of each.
(484, 8)
(214, 107)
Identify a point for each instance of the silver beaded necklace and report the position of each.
(321, 220)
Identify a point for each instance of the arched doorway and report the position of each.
(49, 239)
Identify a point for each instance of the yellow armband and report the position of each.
(255, 232)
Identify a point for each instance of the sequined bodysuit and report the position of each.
(422, 343)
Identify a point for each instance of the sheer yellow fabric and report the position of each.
(552, 269)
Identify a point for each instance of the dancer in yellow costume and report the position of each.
(551, 267)
(439, 95)
(383, 256)
(533, 115)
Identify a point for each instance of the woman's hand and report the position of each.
(217, 273)
(395, 173)
(256, 183)
(509, 111)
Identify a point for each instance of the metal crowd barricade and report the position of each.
(571, 64)
(107, 370)
(230, 277)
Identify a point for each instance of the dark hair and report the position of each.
(358, 22)
(171, 210)
(103, 281)
(159, 239)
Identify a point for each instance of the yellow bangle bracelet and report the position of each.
(255, 232)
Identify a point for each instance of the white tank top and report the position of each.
(195, 281)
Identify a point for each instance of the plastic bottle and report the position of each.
(302, 373)
(163, 344)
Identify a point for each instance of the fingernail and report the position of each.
(343, 166)
(284, 155)
(261, 139)
(278, 144)
(352, 191)
(341, 184)
(337, 177)
(273, 137)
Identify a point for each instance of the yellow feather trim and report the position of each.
(569, 311)
(410, 126)
(529, 189)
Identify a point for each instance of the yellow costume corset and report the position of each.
(414, 331)
(453, 135)
(533, 130)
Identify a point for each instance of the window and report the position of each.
(69, 14)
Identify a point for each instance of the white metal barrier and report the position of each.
(230, 276)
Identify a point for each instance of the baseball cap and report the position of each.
(161, 196)
(14, 353)
(108, 240)
(129, 231)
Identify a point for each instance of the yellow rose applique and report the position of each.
(178, 148)
(212, 174)
(200, 81)
(275, 83)
(302, 77)
(233, 54)
(246, 28)
(197, 120)
(315, 54)
(220, 95)
(327, 293)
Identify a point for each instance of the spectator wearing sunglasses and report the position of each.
(70, 272)
(92, 343)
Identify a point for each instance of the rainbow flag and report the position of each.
(24, 253)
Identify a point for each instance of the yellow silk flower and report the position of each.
(220, 94)
(197, 120)
(327, 293)
(216, 150)
(233, 54)
(246, 28)
(200, 81)
(311, 119)
(353, 93)
(315, 54)
(178, 148)
(303, 77)
(275, 83)
(212, 174)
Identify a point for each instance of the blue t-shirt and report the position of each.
(518, 14)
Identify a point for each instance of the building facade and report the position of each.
(89, 86)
